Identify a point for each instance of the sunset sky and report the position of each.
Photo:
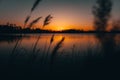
(76, 14)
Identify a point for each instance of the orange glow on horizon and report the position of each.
(60, 28)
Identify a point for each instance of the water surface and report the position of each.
(76, 53)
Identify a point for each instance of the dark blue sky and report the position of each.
(67, 13)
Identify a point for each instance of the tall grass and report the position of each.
(35, 46)
(89, 61)
(17, 44)
(36, 3)
(34, 22)
(44, 51)
(47, 20)
(51, 41)
(14, 53)
(56, 48)
(26, 20)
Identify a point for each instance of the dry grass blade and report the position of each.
(47, 20)
(55, 50)
(35, 5)
(52, 39)
(35, 46)
(34, 54)
(32, 9)
(34, 22)
(26, 20)
(15, 47)
(58, 46)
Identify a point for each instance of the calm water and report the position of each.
(76, 53)
(77, 43)
(81, 42)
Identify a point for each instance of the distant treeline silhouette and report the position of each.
(18, 29)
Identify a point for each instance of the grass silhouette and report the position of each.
(32, 64)
(34, 22)
(51, 41)
(36, 3)
(26, 20)
(64, 63)
(47, 20)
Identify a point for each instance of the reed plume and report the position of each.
(26, 20)
(35, 51)
(47, 20)
(35, 46)
(32, 9)
(55, 50)
(35, 5)
(14, 53)
(51, 41)
(34, 22)
(58, 46)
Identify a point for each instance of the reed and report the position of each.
(35, 5)
(56, 48)
(43, 54)
(47, 20)
(48, 50)
(33, 56)
(34, 22)
(45, 47)
(54, 52)
(14, 52)
(51, 41)
(26, 20)
(35, 46)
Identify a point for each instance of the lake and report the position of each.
(59, 53)
(73, 43)
(76, 42)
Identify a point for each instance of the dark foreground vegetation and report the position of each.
(34, 64)
(105, 63)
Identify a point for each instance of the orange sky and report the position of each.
(67, 14)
